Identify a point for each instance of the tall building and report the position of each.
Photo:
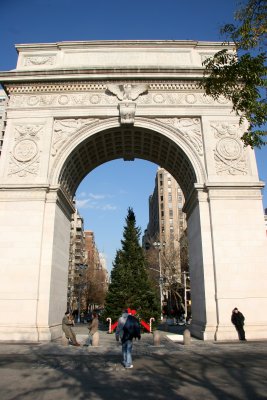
(166, 219)
(92, 254)
(96, 274)
(161, 240)
(77, 261)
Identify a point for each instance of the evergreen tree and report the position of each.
(130, 285)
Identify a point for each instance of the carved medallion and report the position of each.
(25, 156)
(229, 153)
(25, 150)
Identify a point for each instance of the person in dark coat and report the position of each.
(238, 321)
(128, 328)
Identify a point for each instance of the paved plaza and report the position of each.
(46, 371)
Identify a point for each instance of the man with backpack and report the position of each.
(127, 329)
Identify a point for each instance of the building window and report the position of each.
(162, 213)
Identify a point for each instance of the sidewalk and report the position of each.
(46, 371)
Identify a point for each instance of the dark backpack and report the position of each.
(131, 328)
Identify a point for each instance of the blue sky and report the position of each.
(106, 193)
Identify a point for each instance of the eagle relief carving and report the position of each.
(127, 93)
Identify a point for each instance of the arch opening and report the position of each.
(127, 143)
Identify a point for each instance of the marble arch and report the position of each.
(75, 105)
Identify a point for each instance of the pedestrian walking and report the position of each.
(238, 321)
(93, 327)
(127, 329)
(67, 323)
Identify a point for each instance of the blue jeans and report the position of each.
(127, 353)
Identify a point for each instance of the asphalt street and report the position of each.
(46, 371)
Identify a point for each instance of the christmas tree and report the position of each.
(130, 286)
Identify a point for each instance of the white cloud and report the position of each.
(109, 207)
(97, 196)
(90, 202)
(82, 203)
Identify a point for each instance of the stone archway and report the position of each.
(74, 106)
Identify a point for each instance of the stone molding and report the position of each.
(23, 192)
(199, 193)
(230, 191)
(57, 194)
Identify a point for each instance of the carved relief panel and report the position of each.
(25, 156)
(189, 128)
(229, 153)
(65, 130)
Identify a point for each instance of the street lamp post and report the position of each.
(80, 287)
(158, 245)
(185, 293)
(79, 304)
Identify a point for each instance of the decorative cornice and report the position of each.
(68, 86)
(116, 43)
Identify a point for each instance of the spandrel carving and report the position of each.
(190, 128)
(66, 129)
